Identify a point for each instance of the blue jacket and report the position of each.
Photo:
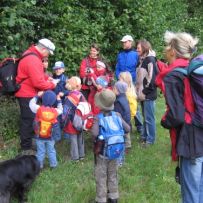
(121, 105)
(127, 60)
(60, 87)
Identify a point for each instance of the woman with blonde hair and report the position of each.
(186, 138)
(132, 99)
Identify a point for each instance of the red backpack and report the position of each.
(83, 118)
(44, 120)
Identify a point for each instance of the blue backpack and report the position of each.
(194, 72)
(111, 131)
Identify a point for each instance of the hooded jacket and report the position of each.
(146, 74)
(31, 75)
(186, 138)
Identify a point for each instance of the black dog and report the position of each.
(16, 175)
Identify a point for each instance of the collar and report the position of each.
(33, 49)
(168, 68)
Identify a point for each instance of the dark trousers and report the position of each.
(26, 123)
(86, 93)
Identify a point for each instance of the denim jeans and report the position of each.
(191, 174)
(56, 132)
(138, 121)
(42, 147)
(149, 125)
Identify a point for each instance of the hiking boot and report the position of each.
(112, 200)
(74, 161)
(142, 140)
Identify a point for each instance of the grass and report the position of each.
(146, 177)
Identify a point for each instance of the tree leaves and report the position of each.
(74, 24)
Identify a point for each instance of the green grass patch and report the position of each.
(146, 177)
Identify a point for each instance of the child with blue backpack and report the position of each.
(47, 130)
(108, 133)
(122, 106)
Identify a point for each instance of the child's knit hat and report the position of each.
(48, 98)
(101, 80)
(121, 86)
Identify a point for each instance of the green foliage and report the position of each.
(194, 22)
(9, 118)
(74, 24)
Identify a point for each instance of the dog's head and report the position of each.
(29, 163)
(16, 175)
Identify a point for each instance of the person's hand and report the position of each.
(40, 93)
(50, 79)
(99, 87)
(60, 94)
(55, 81)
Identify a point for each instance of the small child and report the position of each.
(106, 174)
(100, 80)
(59, 69)
(76, 138)
(45, 125)
(132, 99)
(121, 105)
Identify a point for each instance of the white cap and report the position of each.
(48, 45)
(127, 38)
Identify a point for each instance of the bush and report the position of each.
(9, 118)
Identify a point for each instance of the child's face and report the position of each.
(59, 71)
(100, 69)
(45, 63)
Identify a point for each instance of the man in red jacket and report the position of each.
(31, 78)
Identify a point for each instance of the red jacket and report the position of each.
(31, 75)
(69, 128)
(178, 108)
(83, 68)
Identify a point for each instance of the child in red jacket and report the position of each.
(77, 151)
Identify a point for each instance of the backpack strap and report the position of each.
(182, 70)
(195, 66)
(31, 53)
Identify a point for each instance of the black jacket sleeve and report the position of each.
(174, 94)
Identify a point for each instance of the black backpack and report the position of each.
(8, 72)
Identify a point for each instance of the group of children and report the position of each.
(112, 110)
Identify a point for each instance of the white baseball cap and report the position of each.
(127, 38)
(48, 45)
